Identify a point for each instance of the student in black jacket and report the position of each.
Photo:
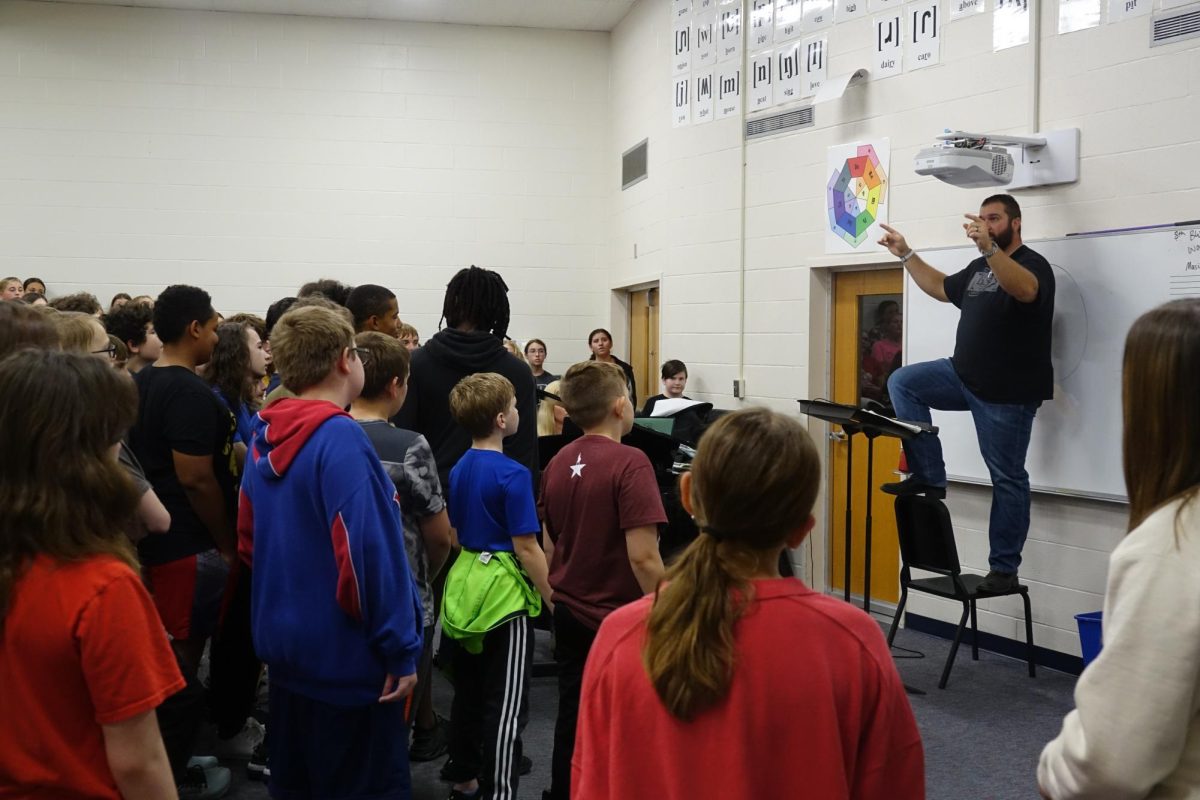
(476, 312)
(600, 341)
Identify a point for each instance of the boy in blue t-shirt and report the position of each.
(497, 584)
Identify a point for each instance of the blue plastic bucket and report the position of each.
(1089, 635)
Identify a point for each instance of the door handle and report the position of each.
(838, 436)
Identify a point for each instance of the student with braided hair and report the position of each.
(476, 314)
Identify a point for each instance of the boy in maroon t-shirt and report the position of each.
(601, 508)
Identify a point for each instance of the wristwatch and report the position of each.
(904, 258)
(995, 249)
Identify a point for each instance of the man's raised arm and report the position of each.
(930, 279)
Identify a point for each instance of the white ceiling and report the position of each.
(584, 15)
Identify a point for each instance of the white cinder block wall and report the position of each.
(251, 153)
(1138, 110)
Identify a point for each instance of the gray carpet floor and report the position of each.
(982, 734)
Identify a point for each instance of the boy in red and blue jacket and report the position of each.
(335, 613)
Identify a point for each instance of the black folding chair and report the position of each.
(927, 543)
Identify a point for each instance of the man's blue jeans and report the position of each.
(1003, 430)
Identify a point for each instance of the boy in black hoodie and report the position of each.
(476, 310)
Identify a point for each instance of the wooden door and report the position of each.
(643, 341)
(866, 348)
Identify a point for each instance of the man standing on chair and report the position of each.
(1000, 371)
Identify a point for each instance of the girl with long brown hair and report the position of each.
(1136, 728)
(235, 372)
(84, 660)
(732, 681)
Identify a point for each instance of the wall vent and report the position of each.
(779, 123)
(634, 164)
(1174, 25)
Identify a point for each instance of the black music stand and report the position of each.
(854, 420)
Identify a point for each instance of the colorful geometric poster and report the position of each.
(856, 195)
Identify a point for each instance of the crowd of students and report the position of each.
(146, 520)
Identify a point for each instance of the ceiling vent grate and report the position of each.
(1175, 25)
(779, 123)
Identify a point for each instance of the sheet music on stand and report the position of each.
(859, 418)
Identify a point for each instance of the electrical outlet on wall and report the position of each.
(739, 387)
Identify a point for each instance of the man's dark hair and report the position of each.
(479, 298)
(178, 307)
(128, 323)
(277, 310)
(672, 368)
(336, 291)
(83, 302)
(1011, 207)
(368, 300)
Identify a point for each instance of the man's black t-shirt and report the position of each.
(1002, 352)
(178, 411)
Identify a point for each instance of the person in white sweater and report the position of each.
(1135, 731)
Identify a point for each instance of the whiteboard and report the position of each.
(1103, 282)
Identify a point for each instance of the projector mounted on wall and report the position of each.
(980, 160)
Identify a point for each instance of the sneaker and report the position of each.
(205, 784)
(430, 744)
(241, 746)
(999, 582)
(258, 768)
(914, 486)
(203, 762)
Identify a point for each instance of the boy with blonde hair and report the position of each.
(340, 625)
(493, 591)
(601, 508)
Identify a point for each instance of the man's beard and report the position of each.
(1005, 237)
